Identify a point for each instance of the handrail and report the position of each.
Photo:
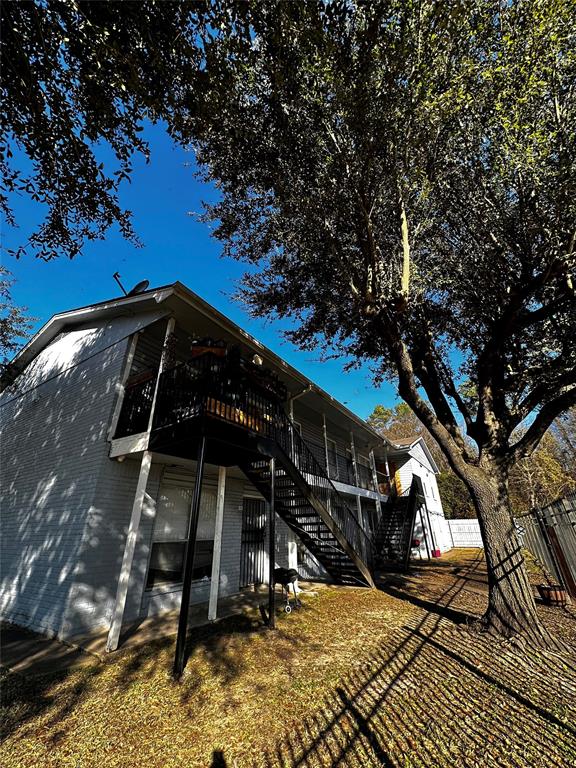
(344, 467)
(317, 478)
(229, 389)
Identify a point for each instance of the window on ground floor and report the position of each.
(169, 537)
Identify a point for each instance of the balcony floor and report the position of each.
(226, 441)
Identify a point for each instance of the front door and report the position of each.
(253, 551)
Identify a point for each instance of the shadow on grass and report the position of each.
(220, 646)
(431, 694)
(22, 699)
(440, 696)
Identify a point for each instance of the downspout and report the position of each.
(325, 433)
(387, 466)
(295, 397)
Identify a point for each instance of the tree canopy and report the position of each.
(80, 78)
(357, 144)
(398, 175)
(401, 177)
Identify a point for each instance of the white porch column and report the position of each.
(375, 481)
(359, 511)
(130, 546)
(122, 590)
(216, 556)
(325, 433)
(120, 386)
(353, 452)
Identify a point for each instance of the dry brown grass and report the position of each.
(356, 678)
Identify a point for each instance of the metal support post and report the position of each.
(180, 655)
(272, 549)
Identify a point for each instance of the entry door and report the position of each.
(252, 553)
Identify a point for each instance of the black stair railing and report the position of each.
(227, 388)
(316, 477)
(393, 537)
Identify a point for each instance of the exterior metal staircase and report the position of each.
(238, 407)
(393, 539)
(310, 505)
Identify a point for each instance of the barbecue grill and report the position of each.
(287, 577)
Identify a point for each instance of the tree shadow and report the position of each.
(219, 646)
(440, 697)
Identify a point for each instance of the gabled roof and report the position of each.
(404, 442)
(179, 300)
(125, 305)
(404, 445)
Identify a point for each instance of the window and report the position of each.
(169, 537)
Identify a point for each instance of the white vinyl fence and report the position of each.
(465, 533)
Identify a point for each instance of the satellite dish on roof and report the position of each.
(139, 288)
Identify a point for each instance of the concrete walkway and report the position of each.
(165, 624)
(33, 655)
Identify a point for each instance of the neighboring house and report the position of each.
(409, 457)
(114, 409)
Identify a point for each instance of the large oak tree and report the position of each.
(401, 177)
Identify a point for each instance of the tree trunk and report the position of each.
(511, 608)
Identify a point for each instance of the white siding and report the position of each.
(432, 525)
(54, 450)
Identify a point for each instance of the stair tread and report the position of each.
(300, 515)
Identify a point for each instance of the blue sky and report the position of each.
(176, 247)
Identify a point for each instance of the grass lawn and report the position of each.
(356, 678)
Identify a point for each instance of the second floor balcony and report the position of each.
(236, 397)
(214, 384)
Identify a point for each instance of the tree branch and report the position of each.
(426, 370)
(539, 392)
(408, 390)
(529, 442)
